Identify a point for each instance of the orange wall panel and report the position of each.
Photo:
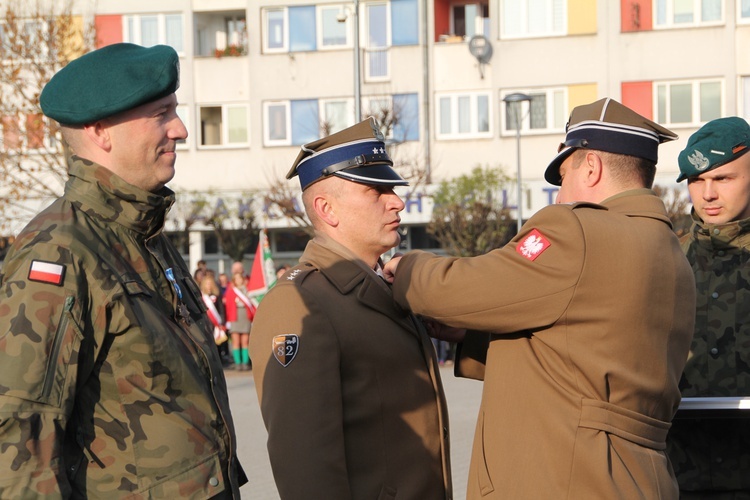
(108, 30)
(638, 97)
(635, 15)
(442, 18)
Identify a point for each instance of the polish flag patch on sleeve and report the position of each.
(46, 272)
(533, 245)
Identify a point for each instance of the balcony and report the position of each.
(220, 34)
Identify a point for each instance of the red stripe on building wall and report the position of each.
(638, 97)
(635, 15)
(108, 30)
(442, 18)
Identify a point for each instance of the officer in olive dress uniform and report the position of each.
(711, 456)
(589, 314)
(348, 383)
(110, 382)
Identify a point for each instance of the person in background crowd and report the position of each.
(348, 384)
(110, 382)
(239, 268)
(711, 456)
(223, 283)
(580, 366)
(281, 270)
(214, 301)
(240, 311)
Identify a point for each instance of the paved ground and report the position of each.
(463, 403)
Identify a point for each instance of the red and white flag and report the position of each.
(46, 272)
(263, 273)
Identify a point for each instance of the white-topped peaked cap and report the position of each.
(607, 125)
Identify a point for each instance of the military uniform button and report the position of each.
(715, 295)
(213, 481)
(719, 460)
(720, 253)
(716, 231)
(714, 351)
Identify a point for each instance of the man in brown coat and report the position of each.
(590, 309)
(348, 383)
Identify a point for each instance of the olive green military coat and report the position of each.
(348, 386)
(591, 313)
(110, 382)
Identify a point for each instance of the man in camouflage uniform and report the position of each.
(711, 456)
(110, 381)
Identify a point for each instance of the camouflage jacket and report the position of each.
(111, 384)
(714, 454)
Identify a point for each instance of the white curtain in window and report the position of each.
(149, 31)
(710, 93)
(237, 124)
(173, 31)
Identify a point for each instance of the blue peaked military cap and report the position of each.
(357, 153)
(110, 80)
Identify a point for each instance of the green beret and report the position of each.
(714, 144)
(110, 80)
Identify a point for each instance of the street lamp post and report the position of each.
(514, 102)
(357, 71)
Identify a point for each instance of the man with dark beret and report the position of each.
(110, 381)
(348, 383)
(587, 318)
(711, 456)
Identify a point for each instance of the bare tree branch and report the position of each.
(36, 40)
(678, 208)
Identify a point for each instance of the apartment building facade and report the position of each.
(261, 77)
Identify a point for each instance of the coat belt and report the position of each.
(627, 424)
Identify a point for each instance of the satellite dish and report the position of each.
(480, 47)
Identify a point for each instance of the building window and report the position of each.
(377, 62)
(470, 19)
(277, 129)
(745, 97)
(463, 116)
(154, 29)
(404, 22)
(291, 123)
(398, 115)
(333, 34)
(532, 18)
(32, 132)
(688, 103)
(224, 126)
(680, 13)
(220, 34)
(308, 28)
(289, 29)
(743, 11)
(337, 114)
(275, 34)
(11, 133)
(546, 112)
